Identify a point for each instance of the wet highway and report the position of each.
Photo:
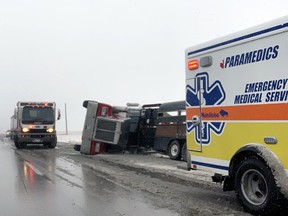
(36, 181)
(61, 181)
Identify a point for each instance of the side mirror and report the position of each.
(58, 114)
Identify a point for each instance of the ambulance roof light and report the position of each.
(193, 64)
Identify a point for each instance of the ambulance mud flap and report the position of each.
(218, 178)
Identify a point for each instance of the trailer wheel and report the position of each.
(255, 187)
(174, 150)
(184, 152)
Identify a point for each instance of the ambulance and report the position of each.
(237, 113)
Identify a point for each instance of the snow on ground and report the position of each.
(75, 138)
(72, 137)
(166, 165)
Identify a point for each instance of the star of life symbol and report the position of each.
(212, 94)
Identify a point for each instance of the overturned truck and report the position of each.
(159, 127)
(101, 127)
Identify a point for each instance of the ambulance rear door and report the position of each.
(194, 100)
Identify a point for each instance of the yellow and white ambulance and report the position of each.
(237, 113)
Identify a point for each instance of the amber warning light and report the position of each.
(193, 64)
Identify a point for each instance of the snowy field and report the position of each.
(71, 137)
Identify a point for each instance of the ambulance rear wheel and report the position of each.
(174, 150)
(255, 187)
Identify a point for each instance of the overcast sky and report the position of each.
(111, 51)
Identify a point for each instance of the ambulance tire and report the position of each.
(174, 150)
(256, 188)
(184, 152)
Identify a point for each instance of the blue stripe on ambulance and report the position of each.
(211, 165)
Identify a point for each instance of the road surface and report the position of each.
(61, 181)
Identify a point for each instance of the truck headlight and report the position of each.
(50, 130)
(25, 130)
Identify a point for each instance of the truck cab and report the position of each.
(34, 123)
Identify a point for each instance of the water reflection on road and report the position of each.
(34, 182)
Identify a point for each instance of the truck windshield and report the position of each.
(43, 115)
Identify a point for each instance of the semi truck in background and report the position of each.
(237, 114)
(34, 123)
(159, 127)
